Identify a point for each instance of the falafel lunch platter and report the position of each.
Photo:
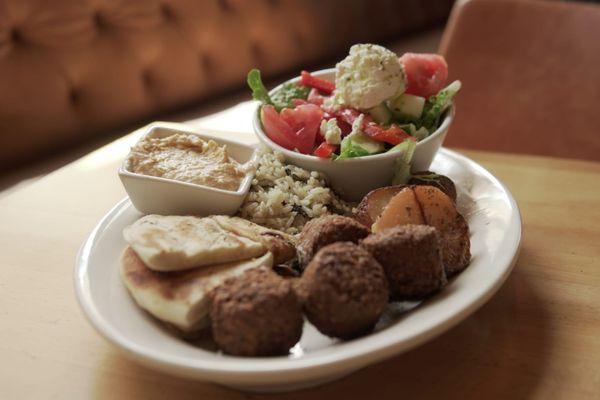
(342, 235)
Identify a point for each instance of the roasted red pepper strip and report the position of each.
(392, 135)
(325, 150)
(323, 86)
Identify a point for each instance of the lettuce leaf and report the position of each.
(349, 149)
(282, 98)
(288, 92)
(259, 91)
(408, 128)
(403, 163)
(436, 105)
(412, 130)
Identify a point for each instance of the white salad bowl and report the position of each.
(354, 177)
(155, 195)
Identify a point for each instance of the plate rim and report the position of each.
(253, 367)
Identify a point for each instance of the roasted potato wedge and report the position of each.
(402, 209)
(440, 212)
(428, 178)
(372, 205)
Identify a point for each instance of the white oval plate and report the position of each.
(495, 226)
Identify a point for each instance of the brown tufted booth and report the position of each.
(71, 69)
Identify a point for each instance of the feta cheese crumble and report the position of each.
(357, 125)
(331, 131)
(369, 75)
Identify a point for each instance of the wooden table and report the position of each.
(539, 337)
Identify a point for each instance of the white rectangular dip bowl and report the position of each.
(155, 195)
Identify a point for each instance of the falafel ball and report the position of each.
(256, 314)
(411, 256)
(325, 230)
(343, 290)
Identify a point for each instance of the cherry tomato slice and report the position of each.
(325, 150)
(392, 135)
(303, 122)
(426, 74)
(276, 128)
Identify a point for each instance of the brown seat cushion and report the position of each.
(531, 75)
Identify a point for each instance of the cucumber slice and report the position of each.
(357, 144)
(369, 145)
(421, 133)
(408, 128)
(407, 107)
(381, 114)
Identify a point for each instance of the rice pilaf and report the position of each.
(285, 197)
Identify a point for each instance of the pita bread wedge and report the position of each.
(180, 298)
(281, 244)
(176, 243)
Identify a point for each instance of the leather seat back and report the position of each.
(531, 77)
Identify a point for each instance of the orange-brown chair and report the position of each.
(531, 77)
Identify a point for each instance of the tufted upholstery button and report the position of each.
(226, 5)
(167, 12)
(206, 62)
(256, 51)
(99, 21)
(273, 3)
(147, 78)
(298, 39)
(16, 36)
(74, 96)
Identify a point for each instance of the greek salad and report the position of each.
(379, 103)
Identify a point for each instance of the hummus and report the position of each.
(186, 158)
